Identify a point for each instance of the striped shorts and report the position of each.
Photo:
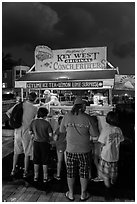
(78, 161)
(108, 170)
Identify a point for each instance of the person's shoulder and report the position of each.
(68, 114)
(46, 122)
(57, 130)
(118, 129)
(88, 116)
(25, 103)
(108, 128)
(34, 121)
(41, 121)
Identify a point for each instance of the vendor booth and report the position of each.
(69, 73)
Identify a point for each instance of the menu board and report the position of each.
(70, 84)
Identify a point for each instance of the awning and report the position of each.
(53, 80)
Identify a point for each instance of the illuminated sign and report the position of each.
(124, 82)
(78, 84)
(79, 59)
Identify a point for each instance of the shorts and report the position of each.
(80, 161)
(60, 146)
(22, 142)
(41, 153)
(108, 170)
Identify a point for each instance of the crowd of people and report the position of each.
(78, 141)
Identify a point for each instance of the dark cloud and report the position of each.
(61, 25)
(124, 50)
(26, 23)
(77, 23)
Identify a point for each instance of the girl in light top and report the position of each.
(60, 142)
(110, 138)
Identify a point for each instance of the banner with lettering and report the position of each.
(124, 82)
(78, 59)
(70, 84)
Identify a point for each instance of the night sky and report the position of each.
(63, 25)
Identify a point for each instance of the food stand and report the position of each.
(76, 72)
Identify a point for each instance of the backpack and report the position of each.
(16, 116)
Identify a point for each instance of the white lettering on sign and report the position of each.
(71, 84)
(69, 60)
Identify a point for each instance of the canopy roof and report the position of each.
(65, 76)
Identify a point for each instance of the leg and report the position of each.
(27, 144)
(59, 163)
(107, 182)
(26, 166)
(26, 163)
(96, 160)
(15, 161)
(84, 160)
(71, 182)
(36, 171)
(90, 175)
(98, 178)
(90, 165)
(17, 148)
(113, 181)
(84, 183)
(71, 167)
(65, 156)
(45, 171)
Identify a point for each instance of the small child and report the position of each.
(41, 131)
(94, 152)
(60, 142)
(110, 138)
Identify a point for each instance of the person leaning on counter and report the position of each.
(79, 128)
(50, 98)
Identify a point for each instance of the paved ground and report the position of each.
(123, 191)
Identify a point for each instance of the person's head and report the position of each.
(60, 119)
(112, 118)
(18, 99)
(46, 93)
(79, 106)
(42, 112)
(32, 96)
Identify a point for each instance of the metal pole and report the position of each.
(110, 96)
(21, 94)
(39, 96)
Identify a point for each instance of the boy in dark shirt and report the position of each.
(41, 131)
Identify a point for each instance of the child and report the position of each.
(60, 139)
(95, 152)
(41, 131)
(110, 139)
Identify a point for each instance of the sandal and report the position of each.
(25, 174)
(57, 177)
(86, 197)
(46, 180)
(13, 172)
(35, 179)
(67, 196)
(97, 179)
